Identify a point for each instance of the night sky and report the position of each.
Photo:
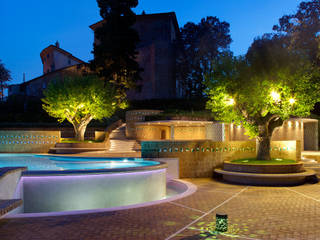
(29, 26)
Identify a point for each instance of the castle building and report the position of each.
(55, 58)
(57, 63)
(157, 51)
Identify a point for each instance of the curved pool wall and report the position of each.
(57, 193)
(176, 189)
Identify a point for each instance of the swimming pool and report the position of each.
(35, 162)
(55, 183)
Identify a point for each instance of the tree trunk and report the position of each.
(265, 131)
(79, 132)
(263, 148)
(80, 128)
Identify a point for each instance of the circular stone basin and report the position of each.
(55, 184)
(263, 168)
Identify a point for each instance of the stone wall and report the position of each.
(198, 158)
(19, 141)
(137, 116)
(304, 130)
(177, 130)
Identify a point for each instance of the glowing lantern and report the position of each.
(221, 222)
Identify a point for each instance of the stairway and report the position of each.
(120, 144)
(309, 160)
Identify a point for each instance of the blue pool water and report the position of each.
(36, 162)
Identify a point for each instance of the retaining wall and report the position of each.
(27, 141)
(199, 158)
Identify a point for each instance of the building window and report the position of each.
(48, 55)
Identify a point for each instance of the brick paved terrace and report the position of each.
(254, 213)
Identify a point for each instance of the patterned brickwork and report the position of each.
(253, 212)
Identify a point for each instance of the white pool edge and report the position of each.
(191, 188)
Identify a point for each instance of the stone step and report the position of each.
(6, 205)
(119, 143)
(74, 150)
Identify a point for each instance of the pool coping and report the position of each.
(191, 188)
(27, 173)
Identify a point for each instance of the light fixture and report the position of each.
(221, 222)
(292, 101)
(275, 96)
(230, 101)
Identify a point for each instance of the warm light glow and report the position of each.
(289, 124)
(230, 101)
(239, 126)
(292, 101)
(275, 96)
(297, 124)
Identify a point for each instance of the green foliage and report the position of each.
(201, 44)
(115, 55)
(253, 82)
(77, 98)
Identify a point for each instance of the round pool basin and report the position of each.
(78, 184)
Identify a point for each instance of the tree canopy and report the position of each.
(302, 28)
(201, 44)
(79, 99)
(5, 77)
(115, 49)
(263, 88)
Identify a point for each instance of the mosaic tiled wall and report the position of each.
(16, 141)
(199, 158)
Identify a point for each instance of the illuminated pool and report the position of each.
(55, 184)
(36, 162)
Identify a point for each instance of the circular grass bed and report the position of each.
(274, 161)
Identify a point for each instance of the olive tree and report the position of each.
(263, 89)
(79, 99)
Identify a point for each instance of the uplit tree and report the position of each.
(262, 89)
(79, 99)
(5, 77)
(115, 49)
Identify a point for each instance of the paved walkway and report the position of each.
(254, 213)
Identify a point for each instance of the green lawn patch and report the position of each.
(274, 161)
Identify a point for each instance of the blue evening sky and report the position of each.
(28, 26)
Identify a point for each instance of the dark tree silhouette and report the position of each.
(201, 44)
(302, 29)
(115, 55)
(5, 77)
